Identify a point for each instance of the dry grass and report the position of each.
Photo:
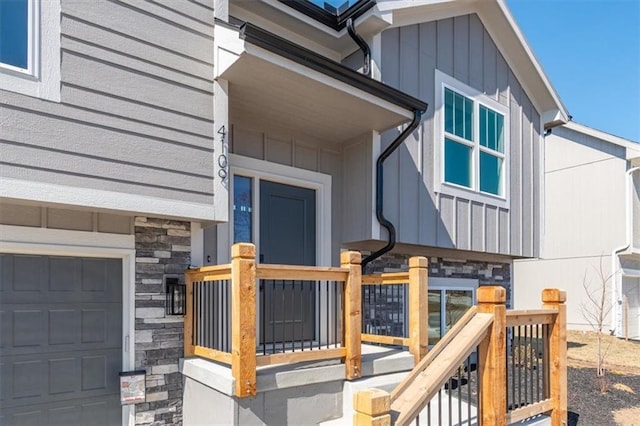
(622, 357)
(627, 417)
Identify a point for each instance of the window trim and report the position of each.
(42, 77)
(443, 81)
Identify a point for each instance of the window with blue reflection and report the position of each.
(491, 129)
(242, 209)
(458, 115)
(490, 173)
(14, 33)
(457, 163)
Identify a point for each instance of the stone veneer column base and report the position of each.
(163, 249)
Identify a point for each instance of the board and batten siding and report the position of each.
(136, 110)
(461, 48)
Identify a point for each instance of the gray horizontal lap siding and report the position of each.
(136, 107)
(462, 48)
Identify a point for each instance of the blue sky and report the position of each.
(590, 50)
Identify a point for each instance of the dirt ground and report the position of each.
(620, 403)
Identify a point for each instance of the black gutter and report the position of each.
(417, 115)
(335, 21)
(282, 47)
(366, 67)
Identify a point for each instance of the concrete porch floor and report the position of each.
(376, 361)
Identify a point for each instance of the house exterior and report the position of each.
(591, 233)
(139, 138)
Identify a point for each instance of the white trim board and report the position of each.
(100, 199)
(42, 241)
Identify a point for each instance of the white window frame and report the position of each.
(441, 186)
(41, 78)
(444, 284)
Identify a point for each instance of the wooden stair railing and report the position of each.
(484, 327)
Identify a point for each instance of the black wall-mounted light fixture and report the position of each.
(175, 292)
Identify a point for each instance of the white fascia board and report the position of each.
(633, 148)
(49, 193)
(228, 46)
(421, 12)
(391, 5)
(510, 29)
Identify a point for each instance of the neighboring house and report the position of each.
(591, 236)
(141, 137)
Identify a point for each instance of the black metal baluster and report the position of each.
(526, 353)
(538, 362)
(469, 372)
(440, 407)
(263, 317)
(460, 372)
(272, 283)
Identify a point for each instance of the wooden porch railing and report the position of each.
(519, 356)
(221, 321)
(397, 285)
(518, 352)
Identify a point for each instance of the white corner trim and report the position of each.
(43, 81)
(100, 199)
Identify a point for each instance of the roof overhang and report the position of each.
(332, 41)
(506, 34)
(273, 81)
(632, 149)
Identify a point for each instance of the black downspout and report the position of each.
(351, 29)
(417, 115)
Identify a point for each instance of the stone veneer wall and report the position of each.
(163, 249)
(487, 273)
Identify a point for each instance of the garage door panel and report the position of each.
(65, 275)
(60, 327)
(36, 379)
(90, 411)
(61, 340)
(60, 279)
(28, 328)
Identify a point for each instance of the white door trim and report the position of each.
(43, 241)
(259, 169)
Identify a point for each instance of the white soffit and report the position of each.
(269, 90)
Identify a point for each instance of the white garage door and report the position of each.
(60, 340)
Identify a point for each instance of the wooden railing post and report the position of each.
(492, 358)
(352, 313)
(372, 408)
(553, 298)
(188, 316)
(243, 318)
(418, 307)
